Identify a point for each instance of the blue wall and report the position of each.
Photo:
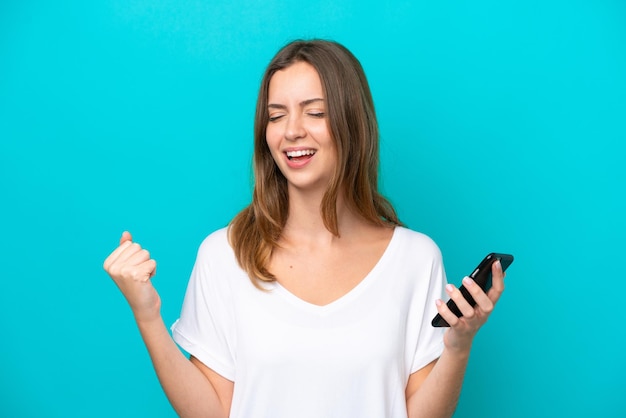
(503, 129)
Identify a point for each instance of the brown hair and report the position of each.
(255, 231)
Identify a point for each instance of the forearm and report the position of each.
(187, 388)
(439, 394)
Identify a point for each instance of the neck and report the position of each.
(305, 222)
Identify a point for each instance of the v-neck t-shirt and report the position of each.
(290, 358)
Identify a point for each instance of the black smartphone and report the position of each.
(482, 276)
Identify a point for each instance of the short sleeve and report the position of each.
(206, 327)
(430, 339)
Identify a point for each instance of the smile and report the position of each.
(300, 153)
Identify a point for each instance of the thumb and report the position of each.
(126, 236)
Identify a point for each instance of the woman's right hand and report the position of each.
(131, 268)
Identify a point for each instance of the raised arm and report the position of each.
(434, 391)
(193, 389)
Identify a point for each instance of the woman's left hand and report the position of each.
(462, 330)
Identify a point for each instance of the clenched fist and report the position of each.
(131, 268)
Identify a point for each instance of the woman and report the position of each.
(315, 302)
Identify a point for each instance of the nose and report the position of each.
(294, 129)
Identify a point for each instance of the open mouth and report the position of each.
(300, 155)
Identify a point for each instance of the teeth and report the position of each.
(300, 153)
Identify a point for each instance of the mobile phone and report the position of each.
(482, 276)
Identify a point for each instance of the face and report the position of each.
(297, 133)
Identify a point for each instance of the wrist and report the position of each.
(148, 319)
(146, 311)
(457, 353)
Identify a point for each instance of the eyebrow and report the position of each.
(302, 104)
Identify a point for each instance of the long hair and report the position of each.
(256, 230)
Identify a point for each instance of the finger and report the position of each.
(141, 272)
(115, 254)
(455, 294)
(497, 286)
(150, 266)
(137, 258)
(446, 313)
(125, 242)
(126, 236)
(482, 300)
(154, 269)
(114, 264)
(128, 252)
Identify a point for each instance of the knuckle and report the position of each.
(477, 290)
(126, 271)
(488, 307)
(114, 272)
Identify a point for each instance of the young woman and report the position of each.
(315, 301)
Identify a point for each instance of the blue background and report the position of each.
(503, 129)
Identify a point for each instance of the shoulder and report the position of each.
(416, 243)
(420, 260)
(216, 262)
(215, 243)
(215, 251)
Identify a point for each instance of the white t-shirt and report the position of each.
(289, 358)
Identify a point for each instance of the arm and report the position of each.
(192, 388)
(434, 390)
